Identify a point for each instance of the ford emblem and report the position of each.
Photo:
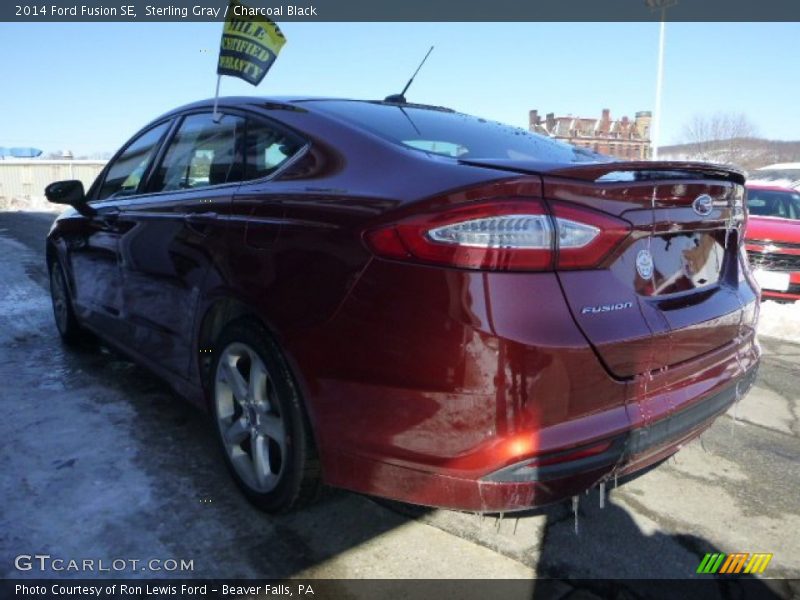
(703, 205)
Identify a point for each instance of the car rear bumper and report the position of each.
(630, 451)
(681, 406)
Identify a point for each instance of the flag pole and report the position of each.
(216, 99)
(656, 131)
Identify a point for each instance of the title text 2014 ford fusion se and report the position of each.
(410, 302)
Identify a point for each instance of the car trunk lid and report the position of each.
(668, 293)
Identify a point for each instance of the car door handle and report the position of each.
(199, 222)
(201, 218)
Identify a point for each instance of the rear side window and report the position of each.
(125, 173)
(267, 148)
(773, 203)
(202, 153)
(448, 133)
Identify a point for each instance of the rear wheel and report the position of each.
(260, 421)
(66, 322)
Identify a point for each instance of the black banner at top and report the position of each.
(405, 10)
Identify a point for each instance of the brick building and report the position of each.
(623, 138)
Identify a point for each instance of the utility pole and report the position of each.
(655, 132)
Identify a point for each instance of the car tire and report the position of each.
(260, 421)
(67, 323)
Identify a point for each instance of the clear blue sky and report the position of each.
(87, 86)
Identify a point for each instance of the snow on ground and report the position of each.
(62, 494)
(24, 306)
(780, 321)
(30, 204)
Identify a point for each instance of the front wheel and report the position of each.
(66, 321)
(260, 420)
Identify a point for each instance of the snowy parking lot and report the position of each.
(100, 459)
(780, 321)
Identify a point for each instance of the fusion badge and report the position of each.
(602, 308)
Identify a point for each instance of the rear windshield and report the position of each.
(773, 203)
(440, 131)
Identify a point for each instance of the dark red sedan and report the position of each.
(411, 302)
(772, 240)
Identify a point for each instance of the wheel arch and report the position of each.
(213, 320)
(219, 314)
(50, 253)
(55, 253)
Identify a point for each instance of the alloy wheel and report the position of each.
(248, 415)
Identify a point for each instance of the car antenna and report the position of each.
(410, 120)
(401, 97)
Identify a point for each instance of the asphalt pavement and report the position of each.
(100, 459)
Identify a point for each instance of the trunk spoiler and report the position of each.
(615, 171)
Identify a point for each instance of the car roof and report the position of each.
(772, 188)
(284, 102)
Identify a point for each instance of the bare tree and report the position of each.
(729, 138)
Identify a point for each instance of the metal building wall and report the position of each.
(22, 182)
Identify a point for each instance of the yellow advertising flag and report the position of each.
(250, 44)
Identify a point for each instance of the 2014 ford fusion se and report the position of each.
(410, 302)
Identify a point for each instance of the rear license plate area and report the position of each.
(772, 280)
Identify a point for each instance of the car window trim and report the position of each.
(176, 121)
(159, 156)
(267, 178)
(252, 114)
(163, 151)
(248, 116)
(283, 166)
(281, 128)
(101, 179)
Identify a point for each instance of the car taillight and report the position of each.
(573, 222)
(518, 235)
(502, 231)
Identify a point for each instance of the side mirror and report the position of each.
(69, 192)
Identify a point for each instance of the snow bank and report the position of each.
(780, 321)
(29, 204)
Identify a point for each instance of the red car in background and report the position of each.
(772, 240)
